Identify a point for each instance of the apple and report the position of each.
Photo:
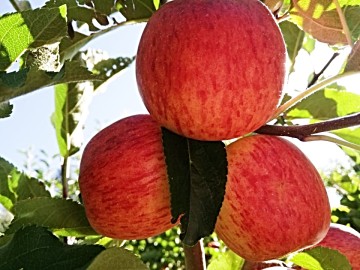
(123, 180)
(275, 200)
(211, 70)
(346, 240)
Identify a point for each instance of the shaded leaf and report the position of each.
(5, 109)
(6, 168)
(75, 12)
(321, 258)
(320, 19)
(37, 248)
(29, 187)
(21, 31)
(326, 104)
(137, 9)
(27, 80)
(104, 6)
(117, 258)
(23, 4)
(197, 172)
(353, 62)
(65, 217)
(294, 38)
(226, 261)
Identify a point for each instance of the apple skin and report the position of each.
(275, 200)
(123, 180)
(346, 240)
(211, 70)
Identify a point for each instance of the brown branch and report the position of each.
(302, 131)
(317, 75)
(195, 257)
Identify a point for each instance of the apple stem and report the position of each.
(311, 90)
(332, 139)
(306, 132)
(195, 256)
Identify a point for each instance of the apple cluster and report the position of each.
(208, 70)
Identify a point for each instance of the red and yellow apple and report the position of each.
(211, 70)
(123, 180)
(275, 201)
(346, 240)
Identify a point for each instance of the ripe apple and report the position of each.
(346, 240)
(211, 70)
(275, 200)
(123, 180)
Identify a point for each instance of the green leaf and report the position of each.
(349, 134)
(320, 19)
(226, 261)
(75, 12)
(65, 217)
(197, 172)
(27, 80)
(117, 258)
(29, 187)
(137, 9)
(326, 104)
(320, 258)
(6, 168)
(5, 109)
(71, 100)
(37, 248)
(30, 29)
(104, 6)
(294, 38)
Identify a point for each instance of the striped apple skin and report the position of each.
(275, 200)
(123, 180)
(346, 240)
(211, 70)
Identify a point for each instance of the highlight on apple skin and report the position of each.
(275, 201)
(123, 180)
(346, 240)
(211, 70)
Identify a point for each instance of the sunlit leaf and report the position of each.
(117, 258)
(226, 261)
(71, 105)
(65, 217)
(37, 248)
(21, 31)
(349, 134)
(326, 104)
(321, 258)
(197, 172)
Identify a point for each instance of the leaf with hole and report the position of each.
(20, 32)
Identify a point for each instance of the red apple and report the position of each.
(211, 70)
(346, 240)
(275, 200)
(123, 180)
